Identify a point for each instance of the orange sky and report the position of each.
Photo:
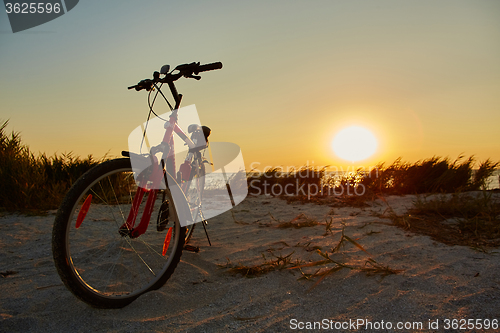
(423, 76)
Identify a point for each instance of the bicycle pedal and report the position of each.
(192, 248)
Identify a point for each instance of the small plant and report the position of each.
(328, 225)
(280, 262)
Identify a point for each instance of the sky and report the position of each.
(422, 76)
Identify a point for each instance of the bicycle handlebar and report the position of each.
(185, 70)
(209, 67)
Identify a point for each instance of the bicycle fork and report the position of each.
(127, 229)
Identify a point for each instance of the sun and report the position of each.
(354, 144)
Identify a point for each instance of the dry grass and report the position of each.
(280, 262)
(371, 267)
(433, 175)
(34, 183)
(295, 182)
(330, 266)
(470, 219)
(356, 189)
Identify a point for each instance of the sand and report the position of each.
(438, 281)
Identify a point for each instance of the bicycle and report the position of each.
(105, 255)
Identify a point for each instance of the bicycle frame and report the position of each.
(160, 173)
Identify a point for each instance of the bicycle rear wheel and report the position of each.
(194, 194)
(99, 262)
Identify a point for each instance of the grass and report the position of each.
(278, 263)
(371, 267)
(470, 218)
(34, 183)
(276, 181)
(327, 265)
(434, 175)
(354, 189)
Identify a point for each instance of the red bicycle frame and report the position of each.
(152, 184)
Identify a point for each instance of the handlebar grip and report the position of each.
(144, 84)
(209, 67)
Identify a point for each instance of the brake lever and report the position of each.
(191, 76)
(144, 84)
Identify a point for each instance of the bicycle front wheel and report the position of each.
(98, 261)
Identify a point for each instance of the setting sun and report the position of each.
(354, 143)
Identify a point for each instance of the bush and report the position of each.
(434, 175)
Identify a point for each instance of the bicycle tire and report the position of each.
(97, 263)
(194, 194)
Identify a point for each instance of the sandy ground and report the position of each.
(439, 282)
